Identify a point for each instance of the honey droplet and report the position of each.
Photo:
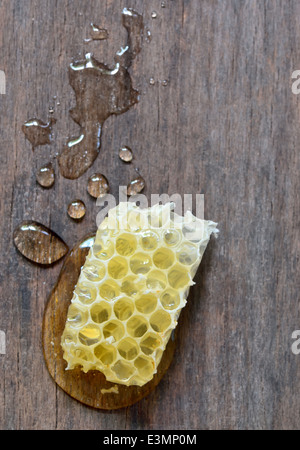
(98, 185)
(152, 81)
(165, 82)
(154, 15)
(38, 132)
(136, 186)
(46, 176)
(97, 33)
(163, 4)
(76, 210)
(38, 243)
(148, 36)
(125, 154)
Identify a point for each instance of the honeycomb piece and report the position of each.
(131, 290)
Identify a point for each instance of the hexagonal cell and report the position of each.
(77, 316)
(117, 267)
(140, 263)
(113, 329)
(69, 336)
(150, 343)
(137, 326)
(94, 271)
(178, 277)
(149, 240)
(89, 335)
(193, 231)
(105, 353)
(136, 380)
(128, 349)
(101, 312)
(136, 221)
(146, 303)
(103, 249)
(131, 285)
(188, 254)
(159, 219)
(126, 244)
(168, 334)
(163, 258)
(109, 289)
(193, 269)
(158, 355)
(124, 308)
(172, 237)
(145, 366)
(156, 281)
(170, 299)
(82, 353)
(160, 321)
(86, 293)
(123, 370)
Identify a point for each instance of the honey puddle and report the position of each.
(100, 91)
(90, 388)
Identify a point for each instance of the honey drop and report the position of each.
(125, 154)
(38, 243)
(46, 176)
(76, 210)
(136, 186)
(98, 185)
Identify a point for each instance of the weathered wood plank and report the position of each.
(226, 125)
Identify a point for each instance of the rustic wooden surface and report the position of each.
(227, 125)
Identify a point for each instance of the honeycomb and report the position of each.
(131, 290)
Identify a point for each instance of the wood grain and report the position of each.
(226, 125)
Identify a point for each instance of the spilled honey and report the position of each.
(100, 92)
(38, 243)
(90, 388)
(37, 132)
(45, 176)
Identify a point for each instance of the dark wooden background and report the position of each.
(227, 126)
